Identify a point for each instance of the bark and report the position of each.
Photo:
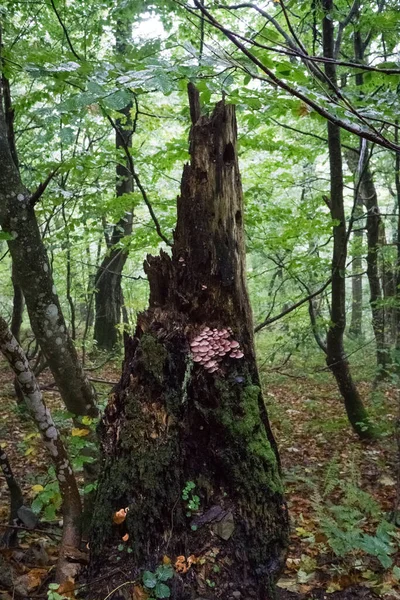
(355, 329)
(16, 357)
(16, 322)
(374, 234)
(397, 183)
(16, 499)
(336, 357)
(108, 295)
(374, 224)
(33, 275)
(176, 418)
(381, 315)
(18, 307)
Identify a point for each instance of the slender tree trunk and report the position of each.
(370, 199)
(18, 307)
(355, 329)
(108, 295)
(189, 409)
(51, 438)
(336, 357)
(9, 537)
(397, 182)
(33, 275)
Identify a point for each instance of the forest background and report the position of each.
(96, 117)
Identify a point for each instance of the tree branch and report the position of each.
(38, 193)
(138, 182)
(291, 308)
(374, 136)
(65, 31)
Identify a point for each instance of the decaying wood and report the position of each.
(176, 417)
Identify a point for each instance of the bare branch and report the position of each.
(374, 136)
(292, 307)
(138, 183)
(65, 31)
(38, 193)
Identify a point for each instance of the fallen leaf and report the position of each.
(75, 432)
(67, 588)
(386, 480)
(139, 593)
(37, 488)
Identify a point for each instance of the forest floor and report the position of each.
(341, 492)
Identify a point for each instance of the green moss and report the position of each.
(154, 355)
(239, 413)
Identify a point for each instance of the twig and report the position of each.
(65, 31)
(293, 307)
(138, 182)
(42, 187)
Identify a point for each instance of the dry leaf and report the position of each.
(139, 593)
(67, 588)
(75, 432)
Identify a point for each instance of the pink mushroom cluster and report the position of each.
(211, 345)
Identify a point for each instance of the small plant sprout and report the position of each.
(154, 582)
(192, 500)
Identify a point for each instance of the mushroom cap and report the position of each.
(239, 354)
(234, 344)
(196, 358)
(210, 363)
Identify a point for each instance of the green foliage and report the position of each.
(48, 501)
(192, 500)
(52, 593)
(154, 582)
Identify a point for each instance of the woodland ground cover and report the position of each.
(337, 487)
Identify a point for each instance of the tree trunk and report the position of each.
(186, 441)
(71, 537)
(108, 295)
(370, 200)
(33, 275)
(397, 182)
(355, 329)
(9, 536)
(336, 357)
